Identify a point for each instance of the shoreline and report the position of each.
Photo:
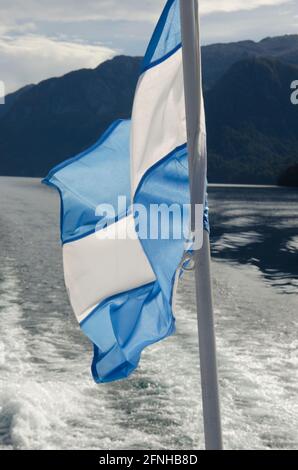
(252, 186)
(210, 185)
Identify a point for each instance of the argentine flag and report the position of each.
(122, 288)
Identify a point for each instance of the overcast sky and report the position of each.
(44, 38)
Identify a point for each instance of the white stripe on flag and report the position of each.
(98, 266)
(158, 118)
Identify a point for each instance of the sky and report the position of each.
(44, 38)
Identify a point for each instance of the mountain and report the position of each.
(251, 121)
(218, 58)
(62, 116)
(11, 98)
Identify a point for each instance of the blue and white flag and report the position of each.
(121, 288)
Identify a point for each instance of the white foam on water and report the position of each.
(56, 405)
(12, 346)
(37, 409)
(159, 407)
(258, 361)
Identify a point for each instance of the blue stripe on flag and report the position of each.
(122, 326)
(95, 176)
(166, 183)
(166, 39)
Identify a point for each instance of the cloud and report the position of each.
(32, 58)
(76, 10)
(132, 10)
(217, 6)
(255, 24)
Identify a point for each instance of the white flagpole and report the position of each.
(197, 167)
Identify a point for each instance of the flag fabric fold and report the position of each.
(122, 289)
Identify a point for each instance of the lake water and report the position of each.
(47, 397)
